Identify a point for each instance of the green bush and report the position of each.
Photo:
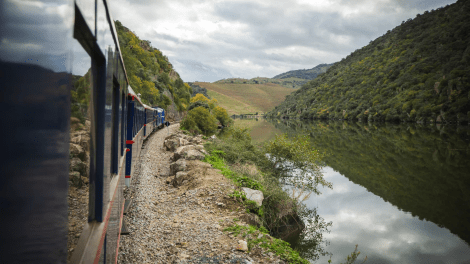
(200, 120)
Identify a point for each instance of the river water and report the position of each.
(400, 191)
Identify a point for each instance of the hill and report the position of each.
(291, 79)
(419, 72)
(244, 98)
(309, 74)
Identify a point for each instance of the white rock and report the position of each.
(242, 245)
(254, 195)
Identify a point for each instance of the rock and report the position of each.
(179, 178)
(251, 219)
(188, 152)
(76, 179)
(213, 137)
(197, 140)
(242, 245)
(201, 149)
(179, 165)
(85, 142)
(77, 165)
(220, 204)
(254, 195)
(193, 154)
(75, 139)
(75, 149)
(172, 142)
(183, 142)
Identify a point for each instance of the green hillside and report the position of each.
(408, 165)
(150, 73)
(419, 71)
(291, 79)
(309, 74)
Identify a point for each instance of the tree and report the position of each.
(199, 97)
(221, 115)
(200, 120)
(296, 162)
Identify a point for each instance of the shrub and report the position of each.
(200, 120)
(221, 115)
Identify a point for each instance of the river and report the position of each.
(400, 191)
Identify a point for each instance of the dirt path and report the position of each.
(183, 224)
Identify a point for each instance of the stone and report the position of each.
(183, 142)
(188, 152)
(179, 165)
(77, 165)
(179, 178)
(75, 149)
(85, 142)
(193, 154)
(172, 142)
(75, 139)
(254, 195)
(242, 245)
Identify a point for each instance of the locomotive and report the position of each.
(36, 55)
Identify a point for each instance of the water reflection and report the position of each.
(404, 187)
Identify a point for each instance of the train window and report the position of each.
(115, 131)
(81, 124)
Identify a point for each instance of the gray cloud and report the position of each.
(262, 38)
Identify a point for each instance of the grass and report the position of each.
(277, 246)
(238, 98)
(234, 107)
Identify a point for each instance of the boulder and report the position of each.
(77, 165)
(85, 142)
(183, 142)
(254, 195)
(179, 178)
(179, 165)
(188, 152)
(242, 245)
(193, 154)
(171, 144)
(75, 149)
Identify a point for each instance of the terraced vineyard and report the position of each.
(240, 98)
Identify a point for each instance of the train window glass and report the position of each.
(115, 132)
(87, 9)
(78, 192)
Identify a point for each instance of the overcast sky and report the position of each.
(208, 40)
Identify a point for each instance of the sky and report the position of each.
(383, 233)
(209, 40)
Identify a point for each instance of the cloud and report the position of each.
(272, 36)
(384, 233)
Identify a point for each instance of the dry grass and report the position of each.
(261, 131)
(260, 97)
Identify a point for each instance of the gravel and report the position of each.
(169, 225)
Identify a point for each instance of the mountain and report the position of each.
(305, 74)
(151, 74)
(291, 79)
(419, 72)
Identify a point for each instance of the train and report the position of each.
(37, 48)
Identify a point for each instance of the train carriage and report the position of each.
(35, 58)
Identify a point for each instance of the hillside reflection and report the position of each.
(421, 169)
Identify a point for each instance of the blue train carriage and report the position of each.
(139, 126)
(35, 58)
(160, 112)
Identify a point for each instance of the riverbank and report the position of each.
(186, 223)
